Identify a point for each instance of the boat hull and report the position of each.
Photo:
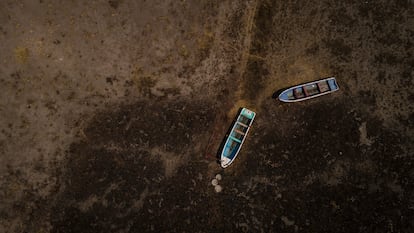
(309, 90)
(236, 137)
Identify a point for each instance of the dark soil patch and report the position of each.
(305, 168)
(118, 179)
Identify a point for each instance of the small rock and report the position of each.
(287, 221)
(214, 182)
(218, 188)
(218, 177)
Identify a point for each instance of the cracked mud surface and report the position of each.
(112, 112)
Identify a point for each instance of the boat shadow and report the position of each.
(276, 94)
(223, 142)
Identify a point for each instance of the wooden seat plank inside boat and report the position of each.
(238, 131)
(240, 128)
(323, 87)
(235, 139)
(298, 93)
(244, 125)
(244, 120)
(311, 90)
(305, 92)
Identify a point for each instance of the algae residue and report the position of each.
(144, 82)
(21, 54)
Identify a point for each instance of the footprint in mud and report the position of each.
(136, 164)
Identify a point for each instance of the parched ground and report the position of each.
(112, 113)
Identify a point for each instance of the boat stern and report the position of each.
(333, 84)
(248, 113)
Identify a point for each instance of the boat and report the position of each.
(236, 137)
(309, 90)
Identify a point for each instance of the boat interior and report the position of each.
(241, 128)
(244, 121)
(323, 86)
(298, 93)
(231, 148)
(237, 135)
(310, 90)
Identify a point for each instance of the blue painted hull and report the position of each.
(309, 90)
(237, 136)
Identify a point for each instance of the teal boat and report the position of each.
(236, 137)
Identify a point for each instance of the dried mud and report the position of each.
(112, 113)
(137, 172)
